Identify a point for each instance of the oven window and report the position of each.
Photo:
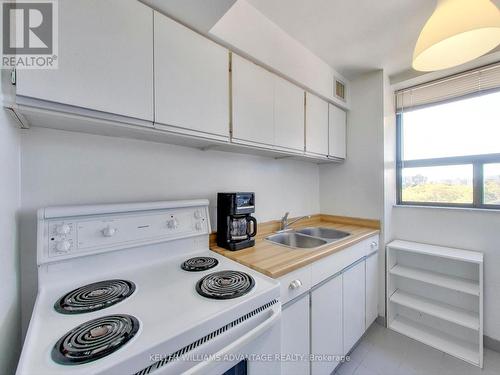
(239, 369)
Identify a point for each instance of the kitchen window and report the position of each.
(448, 141)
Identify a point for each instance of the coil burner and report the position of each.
(93, 297)
(94, 339)
(225, 285)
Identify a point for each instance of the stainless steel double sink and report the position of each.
(307, 238)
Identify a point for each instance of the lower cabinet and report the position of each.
(295, 336)
(371, 272)
(326, 316)
(326, 326)
(353, 299)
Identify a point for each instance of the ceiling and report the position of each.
(353, 36)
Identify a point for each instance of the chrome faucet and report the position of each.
(284, 223)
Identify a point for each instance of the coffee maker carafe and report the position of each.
(235, 226)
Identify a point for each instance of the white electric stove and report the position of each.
(134, 289)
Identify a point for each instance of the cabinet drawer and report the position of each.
(372, 244)
(334, 263)
(295, 283)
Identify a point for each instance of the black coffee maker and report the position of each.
(235, 226)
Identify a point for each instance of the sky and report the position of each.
(466, 127)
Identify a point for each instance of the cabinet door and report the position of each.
(253, 102)
(316, 125)
(105, 59)
(326, 324)
(371, 288)
(295, 336)
(191, 79)
(337, 132)
(354, 304)
(288, 115)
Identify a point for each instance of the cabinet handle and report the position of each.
(373, 245)
(295, 284)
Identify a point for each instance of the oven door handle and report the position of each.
(206, 365)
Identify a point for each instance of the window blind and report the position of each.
(468, 83)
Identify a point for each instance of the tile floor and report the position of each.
(385, 352)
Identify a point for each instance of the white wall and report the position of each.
(466, 229)
(389, 158)
(200, 15)
(73, 168)
(356, 187)
(9, 253)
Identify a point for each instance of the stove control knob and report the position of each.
(63, 246)
(198, 214)
(109, 231)
(63, 229)
(172, 224)
(198, 226)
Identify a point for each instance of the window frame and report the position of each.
(477, 161)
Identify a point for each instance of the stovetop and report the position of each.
(169, 311)
(142, 303)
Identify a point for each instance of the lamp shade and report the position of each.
(457, 32)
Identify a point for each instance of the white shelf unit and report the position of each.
(434, 278)
(435, 296)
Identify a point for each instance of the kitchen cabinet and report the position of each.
(295, 336)
(105, 59)
(123, 68)
(316, 125)
(294, 284)
(341, 292)
(353, 299)
(288, 115)
(326, 325)
(191, 79)
(252, 102)
(337, 127)
(371, 272)
(267, 109)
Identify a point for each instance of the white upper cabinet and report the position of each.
(105, 59)
(354, 305)
(253, 102)
(337, 132)
(316, 125)
(191, 79)
(326, 325)
(288, 115)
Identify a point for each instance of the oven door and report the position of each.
(252, 347)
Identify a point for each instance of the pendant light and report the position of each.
(457, 32)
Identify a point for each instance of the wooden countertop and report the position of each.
(275, 260)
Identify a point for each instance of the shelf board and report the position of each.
(440, 251)
(468, 319)
(437, 339)
(439, 279)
